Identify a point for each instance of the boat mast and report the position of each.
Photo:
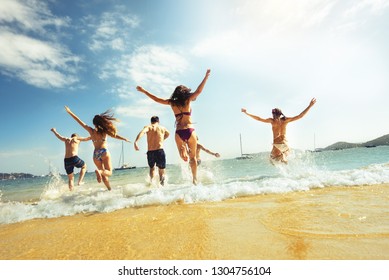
(240, 138)
(121, 158)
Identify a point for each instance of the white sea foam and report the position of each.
(218, 182)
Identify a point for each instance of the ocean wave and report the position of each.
(57, 201)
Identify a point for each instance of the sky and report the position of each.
(91, 55)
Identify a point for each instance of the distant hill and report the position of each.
(12, 176)
(381, 141)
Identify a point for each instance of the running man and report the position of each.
(71, 156)
(279, 122)
(156, 134)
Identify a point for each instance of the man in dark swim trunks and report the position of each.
(71, 159)
(156, 134)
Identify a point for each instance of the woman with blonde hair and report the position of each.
(101, 156)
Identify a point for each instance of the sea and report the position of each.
(221, 179)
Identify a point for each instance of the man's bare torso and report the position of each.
(155, 137)
(71, 147)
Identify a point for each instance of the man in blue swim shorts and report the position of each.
(71, 159)
(156, 134)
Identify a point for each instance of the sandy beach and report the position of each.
(332, 223)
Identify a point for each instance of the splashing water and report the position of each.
(46, 197)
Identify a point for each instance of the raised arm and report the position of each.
(59, 136)
(269, 120)
(77, 119)
(153, 97)
(302, 114)
(200, 88)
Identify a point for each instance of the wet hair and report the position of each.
(180, 96)
(154, 119)
(74, 135)
(104, 123)
(277, 113)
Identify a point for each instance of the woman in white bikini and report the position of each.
(101, 157)
(279, 121)
(186, 139)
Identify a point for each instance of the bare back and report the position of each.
(71, 147)
(99, 139)
(279, 130)
(156, 134)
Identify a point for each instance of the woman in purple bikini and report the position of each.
(186, 139)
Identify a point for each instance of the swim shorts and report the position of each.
(72, 162)
(156, 157)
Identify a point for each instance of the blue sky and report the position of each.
(262, 54)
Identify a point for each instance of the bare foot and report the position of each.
(98, 176)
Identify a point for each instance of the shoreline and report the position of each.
(333, 223)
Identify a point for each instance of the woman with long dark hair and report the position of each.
(185, 136)
(101, 157)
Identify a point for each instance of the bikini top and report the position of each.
(100, 140)
(184, 113)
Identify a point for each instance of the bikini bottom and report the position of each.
(185, 133)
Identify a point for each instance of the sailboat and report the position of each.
(122, 165)
(242, 155)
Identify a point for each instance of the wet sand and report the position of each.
(333, 223)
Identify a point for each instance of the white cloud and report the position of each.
(224, 43)
(30, 15)
(373, 6)
(154, 67)
(157, 68)
(268, 25)
(285, 41)
(39, 62)
(118, 44)
(138, 108)
(111, 30)
(262, 26)
(277, 16)
(359, 13)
